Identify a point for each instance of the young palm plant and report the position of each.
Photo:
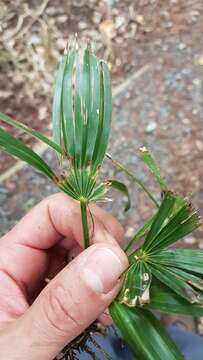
(82, 110)
(158, 277)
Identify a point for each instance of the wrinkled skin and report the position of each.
(40, 320)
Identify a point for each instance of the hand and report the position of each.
(37, 321)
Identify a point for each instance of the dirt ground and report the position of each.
(155, 51)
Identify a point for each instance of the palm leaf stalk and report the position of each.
(133, 177)
(158, 277)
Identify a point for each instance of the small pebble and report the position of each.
(82, 25)
(62, 18)
(53, 11)
(168, 24)
(181, 46)
(197, 82)
(139, 19)
(119, 21)
(96, 18)
(151, 127)
(165, 47)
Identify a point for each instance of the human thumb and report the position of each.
(72, 301)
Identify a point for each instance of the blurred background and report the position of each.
(154, 49)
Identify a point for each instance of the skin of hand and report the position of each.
(37, 321)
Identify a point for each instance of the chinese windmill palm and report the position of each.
(82, 111)
(82, 118)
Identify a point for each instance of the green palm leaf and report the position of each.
(36, 134)
(188, 259)
(82, 107)
(182, 230)
(182, 224)
(175, 282)
(98, 192)
(143, 333)
(57, 115)
(94, 104)
(193, 280)
(163, 299)
(162, 215)
(105, 113)
(135, 289)
(171, 223)
(14, 147)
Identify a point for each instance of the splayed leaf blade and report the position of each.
(135, 289)
(165, 300)
(189, 278)
(67, 105)
(14, 147)
(183, 229)
(188, 259)
(57, 104)
(94, 111)
(98, 193)
(105, 114)
(167, 277)
(162, 215)
(36, 134)
(143, 333)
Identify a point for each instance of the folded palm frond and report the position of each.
(82, 110)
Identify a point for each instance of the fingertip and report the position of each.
(118, 232)
(104, 267)
(109, 223)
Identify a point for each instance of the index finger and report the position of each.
(56, 217)
(24, 255)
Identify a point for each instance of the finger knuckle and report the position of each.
(62, 312)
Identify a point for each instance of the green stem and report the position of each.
(134, 178)
(83, 209)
